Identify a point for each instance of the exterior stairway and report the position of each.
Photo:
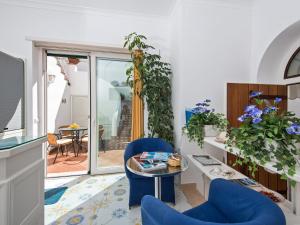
(124, 132)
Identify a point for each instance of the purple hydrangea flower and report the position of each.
(290, 130)
(293, 129)
(199, 110)
(243, 117)
(256, 120)
(266, 110)
(255, 94)
(201, 107)
(277, 100)
(255, 113)
(249, 108)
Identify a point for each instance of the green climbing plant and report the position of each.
(156, 91)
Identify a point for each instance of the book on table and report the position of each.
(206, 160)
(156, 156)
(147, 166)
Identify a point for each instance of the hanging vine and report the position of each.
(154, 75)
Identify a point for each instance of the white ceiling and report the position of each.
(149, 7)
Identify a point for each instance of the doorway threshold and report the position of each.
(67, 174)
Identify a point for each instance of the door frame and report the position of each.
(93, 140)
(44, 106)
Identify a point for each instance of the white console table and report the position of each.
(207, 176)
(268, 166)
(22, 181)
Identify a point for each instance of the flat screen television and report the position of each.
(12, 93)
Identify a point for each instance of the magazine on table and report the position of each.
(155, 156)
(149, 165)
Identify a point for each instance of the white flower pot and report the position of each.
(210, 131)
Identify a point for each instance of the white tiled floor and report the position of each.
(96, 200)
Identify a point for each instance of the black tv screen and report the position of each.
(12, 92)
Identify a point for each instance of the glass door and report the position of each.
(111, 113)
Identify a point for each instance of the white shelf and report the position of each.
(285, 205)
(268, 166)
(207, 169)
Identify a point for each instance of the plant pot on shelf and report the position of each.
(210, 131)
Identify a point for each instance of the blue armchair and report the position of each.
(228, 203)
(141, 186)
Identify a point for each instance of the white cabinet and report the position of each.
(22, 183)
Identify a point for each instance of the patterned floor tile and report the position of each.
(97, 200)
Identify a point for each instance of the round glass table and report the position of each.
(132, 166)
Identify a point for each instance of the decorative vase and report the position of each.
(210, 131)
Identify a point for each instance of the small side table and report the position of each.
(76, 135)
(157, 174)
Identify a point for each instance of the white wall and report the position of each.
(208, 42)
(59, 112)
(213, 48)
(19, 20)
(175, 39)
(275, 36)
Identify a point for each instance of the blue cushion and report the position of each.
(242, 204)
(207, 212)
(228, 203)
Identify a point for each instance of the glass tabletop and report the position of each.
(132, 166)
(11, 142)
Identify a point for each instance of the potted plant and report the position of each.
(266, 135)
(155, 85)
(204, 122)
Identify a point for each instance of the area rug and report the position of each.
(98, 200)
(53, 195)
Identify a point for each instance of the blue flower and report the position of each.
(277, 100)
(293, 129)
(256, 120)
(255, 94)
(199, 110)
(290, 130)
(266, 110)
(249, 108)
(202, 107)
(255, 113)
(243, 117)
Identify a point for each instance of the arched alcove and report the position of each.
(272, 66)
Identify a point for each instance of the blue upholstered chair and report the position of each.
(228, 203)
(141, 186)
